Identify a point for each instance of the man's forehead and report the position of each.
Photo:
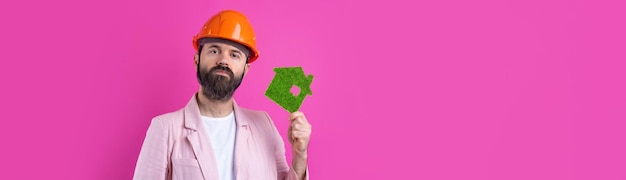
(220, 45)
(223, 43)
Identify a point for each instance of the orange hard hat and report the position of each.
(230, 25)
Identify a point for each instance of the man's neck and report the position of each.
(214, 108)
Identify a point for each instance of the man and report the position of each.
(212, 137)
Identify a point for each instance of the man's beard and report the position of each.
(218, 87)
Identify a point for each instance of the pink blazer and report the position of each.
(177, 147)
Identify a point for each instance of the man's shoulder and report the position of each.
(261, 120)
(172, 116)
(251, 111)
(253, 114)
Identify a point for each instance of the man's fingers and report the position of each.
(300, 120)
(299, 125)
(299, 130)
(297, 135)
(296, 115)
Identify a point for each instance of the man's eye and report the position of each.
(235, 56)
(213, 51)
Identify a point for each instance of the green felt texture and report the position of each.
(279, 89)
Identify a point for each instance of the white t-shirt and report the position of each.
(222, 134)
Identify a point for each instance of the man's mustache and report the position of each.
(224, 68)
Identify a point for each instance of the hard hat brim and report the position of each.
(254, 53)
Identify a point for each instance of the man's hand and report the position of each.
(299, 135)
(299, 132)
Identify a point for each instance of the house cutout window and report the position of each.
(295, 90)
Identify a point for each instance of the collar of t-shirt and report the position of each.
(219, 119)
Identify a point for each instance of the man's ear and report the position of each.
(196, 57)
(245, 70)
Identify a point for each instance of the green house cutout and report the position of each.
(284, 80)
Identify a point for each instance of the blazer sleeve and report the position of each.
(284, 170)
(153, 162)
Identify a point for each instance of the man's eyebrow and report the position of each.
(236, 51)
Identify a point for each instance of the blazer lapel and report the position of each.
(200, 141)
(242, 142)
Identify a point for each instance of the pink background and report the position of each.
(440, 90)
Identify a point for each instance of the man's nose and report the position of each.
(223, 60)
